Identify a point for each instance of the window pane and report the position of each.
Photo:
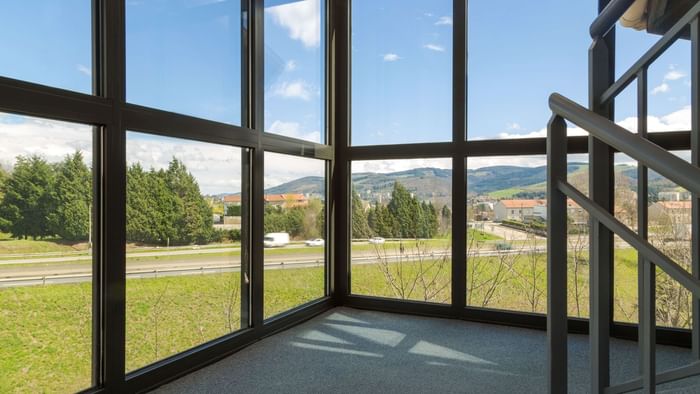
(183, 229)
(185, 57)
(512, 69)
(402, 229)
(45, 255)
(295, 231)
(47, 42)
(507, 233)
(401, 71)
(294, 68)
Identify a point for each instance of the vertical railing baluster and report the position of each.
(646, 270)
(556, 257)
(601, 187)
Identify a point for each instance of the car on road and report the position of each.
(276, 240)
(376, 240)
(315, 242)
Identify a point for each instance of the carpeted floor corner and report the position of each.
(355, 351)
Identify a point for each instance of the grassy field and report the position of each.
(9, 245)
(45, 331)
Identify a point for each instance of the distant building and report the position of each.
(284, 200)
(672, 217)
(519, 210)
(671, 195)
(232, 199)
(528, 210)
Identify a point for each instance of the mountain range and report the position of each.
(435, 184)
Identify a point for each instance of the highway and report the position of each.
(196, 262)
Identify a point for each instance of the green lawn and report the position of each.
(9, 245)
(45, 331)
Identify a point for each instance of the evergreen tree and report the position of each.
(360, 225)
(445, 219)
(194, 223)
(405, 211)
(26, 203)
(3, 178)
(71, 199)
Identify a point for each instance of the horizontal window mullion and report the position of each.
(172, 124)
(32, 99)
(296, 147)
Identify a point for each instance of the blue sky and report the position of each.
(184, 56)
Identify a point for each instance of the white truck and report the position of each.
(276, 240)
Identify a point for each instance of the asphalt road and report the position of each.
(71, 272)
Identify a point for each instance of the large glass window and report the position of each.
(46, 210)
(401, 71)
(294, 68)
(295, 231)
(401, 229)
(183, 231)
(185, 57)
(47, 42)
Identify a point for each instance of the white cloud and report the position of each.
(675, 121)
(291, 65)
(280, 168)
(520, 161)
(294, 130)
(386, 166)
(297, 89)
(302, 19)
(83, 69)
(217, 168)
(444, 20)
(663, 88)
(434, 47)
(391, 57)
(513, 126)
(52, 140)
(674, 75)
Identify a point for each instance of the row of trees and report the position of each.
(42, 200)
(403, 217)
(301, 221)
(166, 207)
(47, 200)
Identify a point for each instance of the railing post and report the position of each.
(695, 160)
(646, 270)
(601, 187)
(556, 257)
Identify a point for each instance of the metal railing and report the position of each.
(605, 137)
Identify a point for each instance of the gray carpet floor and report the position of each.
(354, 351)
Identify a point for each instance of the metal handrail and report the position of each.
(606, 137)
(608, 17)
(647, 153)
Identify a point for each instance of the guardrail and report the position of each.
(605, 137)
